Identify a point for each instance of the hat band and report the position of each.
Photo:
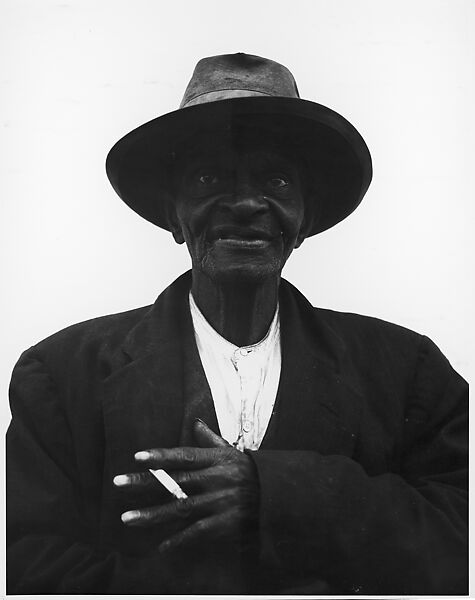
(221, 95)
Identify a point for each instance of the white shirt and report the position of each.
(243, 380)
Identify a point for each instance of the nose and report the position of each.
(247, 201)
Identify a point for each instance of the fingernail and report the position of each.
(129, 516)
(201, 421)
(121, 480)
(142, 455)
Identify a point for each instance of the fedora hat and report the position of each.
(234, 93)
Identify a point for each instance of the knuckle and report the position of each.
(141, 478)
(229, 454)
(149, 481)
(182, 477)
(220, 456)
(188, 456)
(225, 471)
(184, 507)
(134, 478)
(143, 514)
(153, 454)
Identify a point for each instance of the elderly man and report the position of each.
(310, 451)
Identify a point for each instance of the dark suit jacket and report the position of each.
(362, 470)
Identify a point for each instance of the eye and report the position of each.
(207, 179)
(278, 182)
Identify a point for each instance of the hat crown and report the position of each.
(236, 76)
(242, 93)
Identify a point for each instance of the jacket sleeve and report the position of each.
(50, 537)
(401, 532)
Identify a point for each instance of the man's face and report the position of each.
(240, 212)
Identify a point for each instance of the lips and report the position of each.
(240, 234)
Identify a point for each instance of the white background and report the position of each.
(77, 75)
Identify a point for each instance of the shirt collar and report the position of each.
(208, 334)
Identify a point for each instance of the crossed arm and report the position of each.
(368, 534)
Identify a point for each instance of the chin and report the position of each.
(245, 274)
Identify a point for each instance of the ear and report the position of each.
(300, 238)
(312, 214)
(303, 233)
(175, 227)
(178, 235)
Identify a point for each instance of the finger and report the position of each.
(177, 459)
(194, 507)
(204, 529)
(206, 438)
(135, 481)
(202, 480)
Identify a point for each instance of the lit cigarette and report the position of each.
(169, 483)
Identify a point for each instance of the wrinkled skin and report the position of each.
(241, 214)
(240, 210)
(219, 517)
(221, 484)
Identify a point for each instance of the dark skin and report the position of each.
(241, 214)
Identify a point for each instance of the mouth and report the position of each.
(240, 237)
(242, 243)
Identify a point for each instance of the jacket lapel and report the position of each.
(317, 407)
(143, 401)
(198, 402)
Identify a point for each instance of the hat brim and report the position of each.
(139, 165)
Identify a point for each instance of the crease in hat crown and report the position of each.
(236, 76)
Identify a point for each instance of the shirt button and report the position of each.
(247, 426)
(244, 351)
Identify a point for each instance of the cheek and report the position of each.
(195, 243)
(185, 221)
(293, 216)
(293, 220)
(193, 215)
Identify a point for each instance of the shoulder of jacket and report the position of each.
(355, 325)
(105, 331)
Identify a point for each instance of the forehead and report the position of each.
(230, 149)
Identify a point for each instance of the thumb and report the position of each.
(205, 437)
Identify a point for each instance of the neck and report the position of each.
(240, 312)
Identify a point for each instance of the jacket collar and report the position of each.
(143, 397)
(318, 406)
(316, 409)
(142, 405)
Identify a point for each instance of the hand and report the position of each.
(223, 490)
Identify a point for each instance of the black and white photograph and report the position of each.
(237, 247)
